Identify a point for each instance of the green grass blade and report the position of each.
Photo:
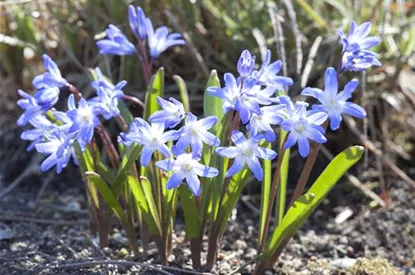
(184, 94)
(320, 21)
(305, 205)
(155, 89)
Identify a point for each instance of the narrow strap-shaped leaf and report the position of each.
(184, 94)
(233, 193)
(212, 106)
(191, 215)
(291, 222)
(282, 187)
(151, 218)
(305, 205)
(106, 194)
(155, 89)
(265, 195)
(126, 164)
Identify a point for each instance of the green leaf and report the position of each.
(191, 215)
(233, 193)
(212, 106)
(144, 199)
(265, 195)
(106, 194)
(126, 163)
(155, 89)
(295, 217)
(282, 186)
(184, 94)
(306, 204)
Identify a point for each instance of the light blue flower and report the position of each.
(37, 134)
(160, 39)
(270, 115)
(302, 126)
(51, 78)
(235, 97)
(358, 39)
(84, 119)
(246, 64)
(171, 115)
(356, 55)
(194, 133)
(103, 81)
(116, 43)
(36, 105)
(137, 20)
(246, 151)
(152, 138)
(359, 61)
(333, 103)
(186, 166)
(267, 74)
(106, 103)
(59, 147)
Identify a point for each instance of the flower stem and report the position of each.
(309, 164)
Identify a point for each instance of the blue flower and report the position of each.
(106, 103)
(160, 40)
(186, 166)
(359, 61)
(137, 20)
(358, 39)
(246, 64)
(103, 81)
(267, 75)
(235, 97)
(171, 115)
(246, 151)
(302, 126)
(356, 55)
(59, 147)
(333, 103)
(151, 137)
(270, 115)
(41, 125)
(84, 119)
(195, 132)
(116, 43)
(51, 78)
(36, 105)
(108, 95)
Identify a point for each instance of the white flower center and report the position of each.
(187, 167)
(154, 141)
(299, 128)
(246, 152)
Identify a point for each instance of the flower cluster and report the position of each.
(55, 132)
(356, 55)
(252, 98)
(158, 40)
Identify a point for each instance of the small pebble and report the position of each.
(241, 244)
(171, 258)
(37, 259)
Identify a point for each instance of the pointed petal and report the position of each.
(175, 180)
(256, 168)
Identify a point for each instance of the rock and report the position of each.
(343, 263)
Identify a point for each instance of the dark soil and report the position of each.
(48, 233)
